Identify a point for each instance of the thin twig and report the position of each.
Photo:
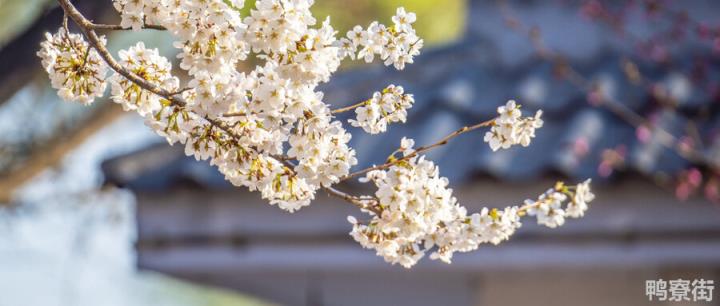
(117, 27)
(349, 108)
(181, 91)
(235, 114)
(422, 149)
(65, 24)
(353, 200)
(88, 28)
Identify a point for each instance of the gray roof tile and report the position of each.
(463, 83)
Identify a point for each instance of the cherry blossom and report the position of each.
(149, 65)
(269, 129)
(511, 128)
(388, 106)
(419, 214)
(75, 69)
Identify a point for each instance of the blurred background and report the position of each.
(96, 210)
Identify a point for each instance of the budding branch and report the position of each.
(88, 29)
(423, 149)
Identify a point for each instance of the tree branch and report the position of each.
(87, 27)
(354, 200)
(117, 27)
(423, 149)
(348, 108)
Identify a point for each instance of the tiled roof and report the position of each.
(464, 83)
(452, 91)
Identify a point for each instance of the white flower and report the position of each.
(548, 208)
(577, 207)
(496, 140)
(357, 35)
(346, 48)
(510, 112)
(384, 108)
(269, 130)
(289, 192)
(132, 12)
(406, 146)
(495, 226)
(322, 151)
(75, 69)
(396, 46)
(418, 213)
(146, 64)
(415, 200)
(510, 128)
(403, 20)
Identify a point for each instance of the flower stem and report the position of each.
(422, 149)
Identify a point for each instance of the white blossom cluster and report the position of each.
(268, 128)
(322, 151)
(396, 45)
(548, 207)
(75, 69)
(134, 13)
(148, 65)
(388, 106)
(416, 213)
(510, 128)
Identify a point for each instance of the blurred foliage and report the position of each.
(439, 21)
(17, 15)
(156, 289)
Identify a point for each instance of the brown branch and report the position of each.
(349, 108)
(423, 149)
(357, 201)
(117, 27)
(181, 91)
(353, 200)
(87, 27)
(235, 114)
